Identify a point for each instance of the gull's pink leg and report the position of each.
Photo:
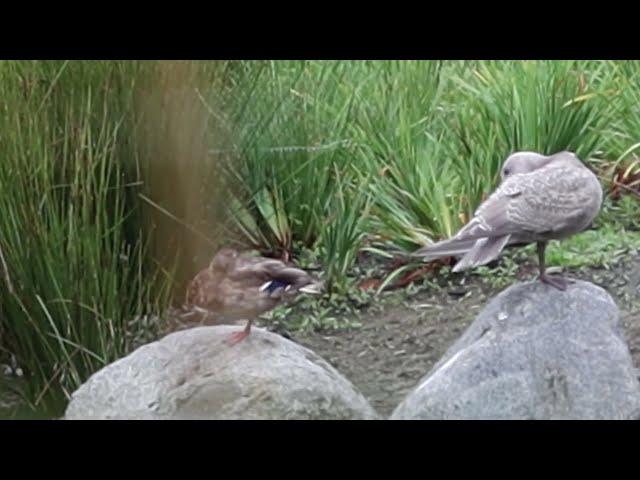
(557, 282)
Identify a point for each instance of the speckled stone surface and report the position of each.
(194, 374)
(534, 352)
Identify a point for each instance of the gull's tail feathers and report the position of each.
(446, 248)
(484, 251)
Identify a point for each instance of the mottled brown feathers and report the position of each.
(237, 286)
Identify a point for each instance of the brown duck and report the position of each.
(238, 286)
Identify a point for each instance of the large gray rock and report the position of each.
(193, 374)
(534, 352)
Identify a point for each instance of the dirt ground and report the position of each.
(404, 335)
(395, 347)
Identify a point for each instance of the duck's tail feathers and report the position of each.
(315, 288)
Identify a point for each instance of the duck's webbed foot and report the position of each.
(237, 337)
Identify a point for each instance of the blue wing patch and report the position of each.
(274, 285)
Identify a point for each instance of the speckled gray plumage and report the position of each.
(540, 198)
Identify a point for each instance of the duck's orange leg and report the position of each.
(239, 336)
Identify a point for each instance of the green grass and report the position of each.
(120, 179)
(73, 277)
(594, 247)
(80, 269)
(541, 106)
(603, 247)
(615, 236)
(425, 138)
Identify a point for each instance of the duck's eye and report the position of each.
(506, 172)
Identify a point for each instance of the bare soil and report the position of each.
(404, 334)
(398, 344)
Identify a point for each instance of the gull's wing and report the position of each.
(539, 202)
